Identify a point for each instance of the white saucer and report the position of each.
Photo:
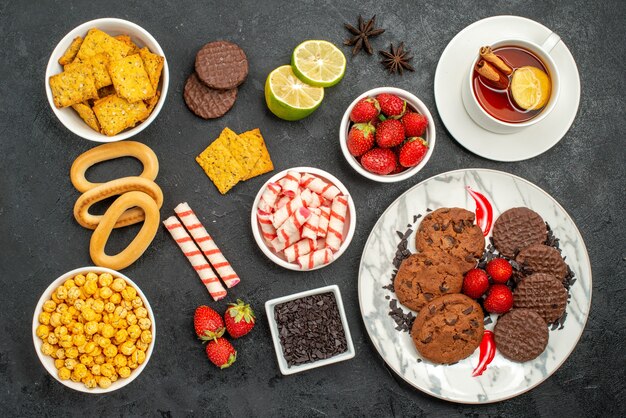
(452, 70)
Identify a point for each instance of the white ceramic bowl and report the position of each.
(113, 27)
(348, 229)
(282, 363)
(429, 136)
(48, 362)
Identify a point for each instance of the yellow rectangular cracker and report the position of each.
(116, 114)
(153, 64)
(264, 163)
(99, 65)
(86, 114)
(97, 42)
(152, 102)
(128, 41)
(69, 55)
(130, 78)
(220, 166)
(75, 86)
(246, 155)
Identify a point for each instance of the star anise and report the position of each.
(397, 59)
(362, 34)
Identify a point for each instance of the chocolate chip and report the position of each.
(474, 323)
(429, 296)
(468, 331)
(428, 339)
(468, 310)
(436, 227)
(443, 288)
(458, 228)
(456, 337)
(451, 240)
(452, 321)
(432, 309)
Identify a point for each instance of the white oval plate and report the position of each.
(503, 379)
(452, 71)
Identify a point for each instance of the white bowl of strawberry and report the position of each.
(387, 134)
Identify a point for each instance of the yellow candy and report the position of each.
(80, 370)
(98, 306)
(127, 348)
(71, 363)
(79, 280)
(60, 353)
(64, 373)
(61, 292)
(146, 336)
(104, 342)
(100, 359)
(44, 318)
(52, 339)
(107, 370)
(66, 318)
(61, 307)
(105, 292)
(131, 318)
(137, 302)
(107, 331)
(59, 331)
(69, 283)
(105, 279)
(144, 323)
(87, 360)
(134, 331)
(124, 372)
(91, 276)
(89, 347)
(120, 336)
(49, 306)
(90, 287)
(55, 319)
(118, 284)
(141, 312)
(91, 327)
(109, 306)
(42, 331)
(90, 382)
(113, 377)
(116, 298)
(110, 351)
(65, 341)
(104, 383)
(141, 345)
(120, 360)
(138, 356)
(129, 293)
(58, 363)
(95, 370)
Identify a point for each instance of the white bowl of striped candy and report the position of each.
(303, 218)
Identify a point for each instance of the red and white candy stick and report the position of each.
(322, 227)
(311, 199)
(302, 247)
(282, 214)
(207, 245)
(269, 196)
(316, 258)
(338, 210)
(195, 257)
(290, 183)
(291, 227)
(309, 229)
(281, 201)
(319, 186)
(267, 229)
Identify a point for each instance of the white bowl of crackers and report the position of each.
(107, 80)
(303, 218)
(94, 330)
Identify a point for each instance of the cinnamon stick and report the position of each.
(491, 75)
(488, 55)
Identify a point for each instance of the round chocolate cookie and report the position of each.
(540, 258)
(452, 230)
(205, 102)
(424, 276)
(516, 229)
(448, 329)
(221, 65)
(544, 294)
(521, 335)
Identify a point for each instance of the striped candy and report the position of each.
(312, 199)
(319, 186)
(338, 210)
(316, 258)
(309, 229)
(269, 196)
(302, 247)
(207, 245)
(322, 227)
(290, 183)
(282, 214)
(195, 257)
(267, 229)
(293, 224)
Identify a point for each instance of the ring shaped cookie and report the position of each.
(138, 245)
(111, 151)
(113, 188)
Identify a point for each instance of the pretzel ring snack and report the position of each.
(138, 245)
(113, 188)
(111, 151)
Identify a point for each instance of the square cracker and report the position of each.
(116, 114)
(69, 55)
(153, 64)
(75, 86)
(246, 155)
(86, 114)
(130, 78)
(126, 39)
(97, 41)
(264, 163)
(220, 165)
(99, 64)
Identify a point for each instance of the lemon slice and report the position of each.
(318, 63)
(530, 88)
(288, 97)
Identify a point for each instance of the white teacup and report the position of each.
(482, 117)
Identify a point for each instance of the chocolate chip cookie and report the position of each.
(541, 258)
(452, 230)
(518, 228)
(542, 293)
(424, 276)
(448, 329)
(521, 334)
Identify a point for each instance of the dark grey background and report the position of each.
(39, 239)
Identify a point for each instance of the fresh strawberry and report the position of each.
(414, 124)
(379, 161)
(389, 133)
(500, 270)
(398, 169)
(475, 283)
(208, 323)
(499, 299)
(391, 105)
(412, 152)
(239, 319)
(360, 138)
(221, 353)
(365, 110)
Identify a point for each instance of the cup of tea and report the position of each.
(512, 84)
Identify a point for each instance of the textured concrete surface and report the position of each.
(39, 239)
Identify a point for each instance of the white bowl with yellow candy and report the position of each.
(94, 330)
(103, 84)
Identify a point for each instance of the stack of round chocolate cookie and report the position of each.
(540, 297)
(211, 91)
(449, 325)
